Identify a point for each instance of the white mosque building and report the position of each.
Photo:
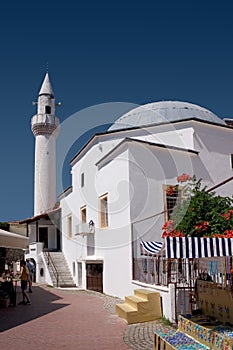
(118, 194)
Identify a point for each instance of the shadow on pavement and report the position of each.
(43, 302)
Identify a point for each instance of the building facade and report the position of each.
(118, 196)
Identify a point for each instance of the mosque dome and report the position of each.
(164, 112)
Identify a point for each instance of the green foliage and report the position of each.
(4, 226)
(166, 321)
(202, 213)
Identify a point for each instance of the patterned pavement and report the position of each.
(72, 319)
(138, 336)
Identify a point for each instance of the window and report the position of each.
(231, 161)
(69, 226)
(173, 196)
(83, 212)
(82, 180)
(47, 109)
(103, 205)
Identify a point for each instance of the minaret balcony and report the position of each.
(45, 124)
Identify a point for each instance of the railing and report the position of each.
(52, 266)
(163, 271)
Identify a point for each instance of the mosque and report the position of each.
(118, 197)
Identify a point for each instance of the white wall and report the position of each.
(180, 137)
(215, 145)
(113, 244)
(151, 168)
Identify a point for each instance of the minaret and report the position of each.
(45, 127)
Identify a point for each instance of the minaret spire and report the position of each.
(45, 127)
(46, 87)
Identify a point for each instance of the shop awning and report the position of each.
(151, 247)
(13, 240)
(198, 247)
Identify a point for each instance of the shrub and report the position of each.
(201, 213)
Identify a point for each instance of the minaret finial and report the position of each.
(47, 67)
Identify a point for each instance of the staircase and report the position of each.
(143, 306)
(59, 270)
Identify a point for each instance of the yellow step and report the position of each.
(143, 306)
(125, 311)
(146, 294)
(135, 301)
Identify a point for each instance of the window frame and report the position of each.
(103, 214)
(69, 226)
(83, 214)
(180, 191)
(231, 160)
(82, 180)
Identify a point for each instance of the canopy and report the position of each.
(152, 247)
(197, 247)
(13, 240)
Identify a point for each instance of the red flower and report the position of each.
(179, 234)
(173, 233)
(168, 226)
(184, 178)
(228, 233)
(170, 190)
(202, 226)
(227, 216)
(169, 230)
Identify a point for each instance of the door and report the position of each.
(94, 273)
(43, 236)
(58, 240)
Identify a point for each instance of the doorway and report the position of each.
(94, 273)
(58, 240)
(43, 236)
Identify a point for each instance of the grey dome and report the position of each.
(164, 112)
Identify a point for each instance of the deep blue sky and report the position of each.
(104, 51)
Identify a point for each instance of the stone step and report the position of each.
(145, 294)
(143, 306)
(136, 302)
(65, 278)
(126, 312)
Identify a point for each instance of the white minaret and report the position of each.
(45, 127)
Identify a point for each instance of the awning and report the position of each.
(152, 247)
(197, 247)
(13, 240)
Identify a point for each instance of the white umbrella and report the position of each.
(13, 240)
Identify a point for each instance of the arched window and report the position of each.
(47, 109)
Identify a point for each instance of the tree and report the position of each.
(4, 226)
(201, 213)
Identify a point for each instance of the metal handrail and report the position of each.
(53, 267)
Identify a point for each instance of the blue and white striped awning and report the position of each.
(197, 247)
(152, 247)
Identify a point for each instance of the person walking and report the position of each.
(24, 282)
(31, 269)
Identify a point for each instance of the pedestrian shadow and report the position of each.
(43, 302)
